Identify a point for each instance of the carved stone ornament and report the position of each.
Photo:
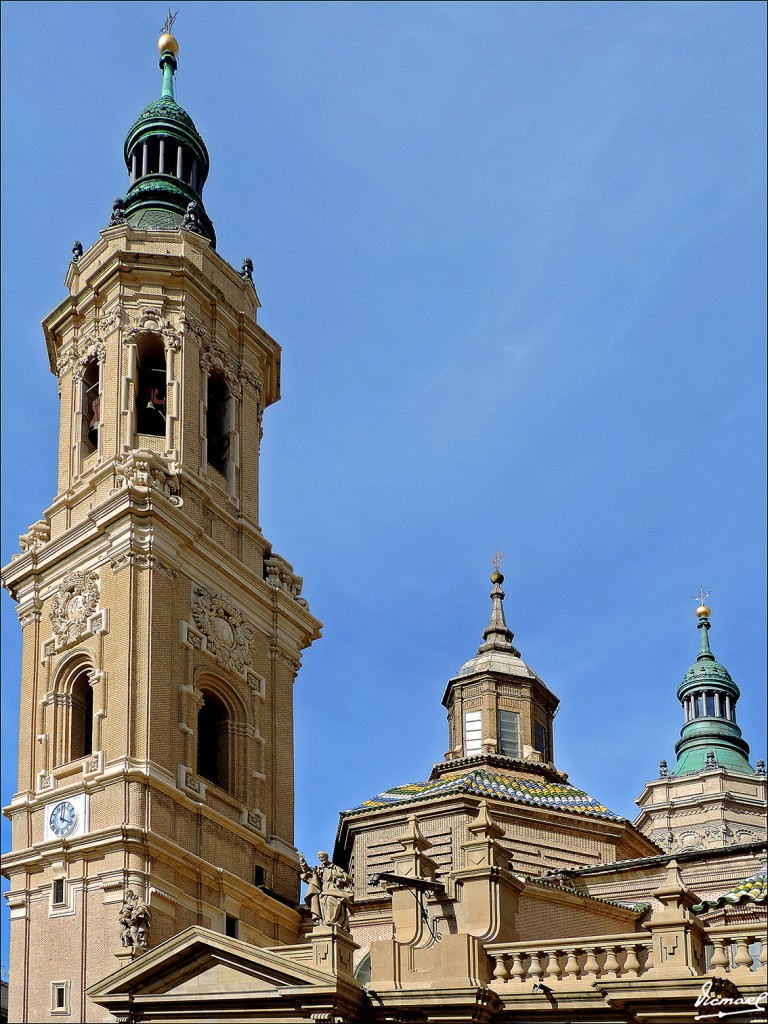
(191, 325)
(90, 344)
(278, 574)
(251, 380)
(143, 471)
(150, 320)
(215, 357)
(76, 600)
(229, 636)
(134, 923)
(36, 537)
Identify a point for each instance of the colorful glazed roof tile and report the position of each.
(753, 888)
(480, 782)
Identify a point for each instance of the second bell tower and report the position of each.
(161, 632)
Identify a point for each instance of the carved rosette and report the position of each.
(229, 637)
(76, 601)
(150, 320)
(144, 471)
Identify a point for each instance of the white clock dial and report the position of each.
(63, 820)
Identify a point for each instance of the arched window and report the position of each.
(150, 394)
(81, 716)
(217, 422)
(90, 406)
(213, 740)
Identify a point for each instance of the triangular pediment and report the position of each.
(201, 963)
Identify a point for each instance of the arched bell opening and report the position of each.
(152, 387)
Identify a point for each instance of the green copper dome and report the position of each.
(710, 738)
(167, 161)
(167, 109)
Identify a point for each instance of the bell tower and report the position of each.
(161, 633)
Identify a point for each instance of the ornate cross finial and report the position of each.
(169, 22)
(702, 595)
(497, 559)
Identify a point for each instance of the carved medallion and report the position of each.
(228, 635)
(75, 602)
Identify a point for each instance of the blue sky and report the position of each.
(514, 253)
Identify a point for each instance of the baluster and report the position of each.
(763, 958)
(501, 971)
(591, 967)
(571, 964)
(611, 965)
(720, 961)
(743, 957)
(553, 966)
(631, 963)
(518, 971)
(534, 968)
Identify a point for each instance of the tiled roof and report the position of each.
(481, 782)
(753, 888)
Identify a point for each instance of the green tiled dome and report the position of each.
(169, 110)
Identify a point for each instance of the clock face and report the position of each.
(63, 820)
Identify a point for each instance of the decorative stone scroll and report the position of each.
(75, 607)
(228, 635)
(143, 471)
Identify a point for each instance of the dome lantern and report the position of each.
(167, 159)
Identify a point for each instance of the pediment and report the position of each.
(200, 962)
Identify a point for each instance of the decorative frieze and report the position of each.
(228, 635)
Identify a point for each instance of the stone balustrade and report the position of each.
(731, 949)
(583, 959)
(736, 948)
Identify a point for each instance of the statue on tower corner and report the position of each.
(134, 923)
(118, 213)
(191, 221)
(329, 891)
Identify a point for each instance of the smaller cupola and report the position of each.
(167, 160)
(710, 737)
(497, 706)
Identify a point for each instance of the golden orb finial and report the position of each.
(497, 577)
(702, 612)
(168, 42)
